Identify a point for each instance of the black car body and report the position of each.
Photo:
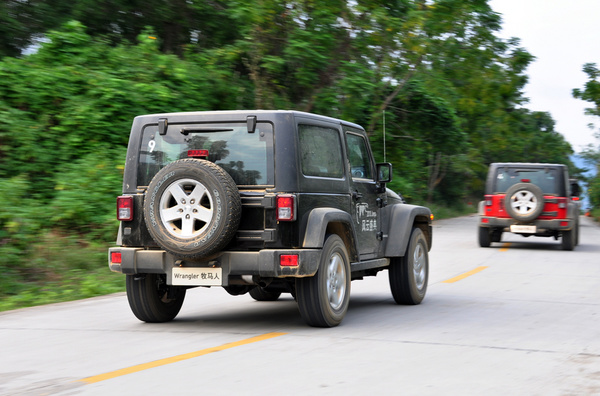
(274, 186)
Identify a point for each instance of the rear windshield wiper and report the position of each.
(187, 131)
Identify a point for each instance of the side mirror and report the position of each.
(575, 189)
(384, 172)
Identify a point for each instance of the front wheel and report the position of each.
(151, 299)
(409, 274)
(323, 299)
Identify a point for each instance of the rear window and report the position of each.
(247, 157)
(546, 179)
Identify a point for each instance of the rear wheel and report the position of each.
(409, 274)
(484, 237)
(496, 235)
(568, 239)
(151, 299)
(323, 299)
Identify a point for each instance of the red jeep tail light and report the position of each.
(288, 260)
(562, 203)
(286, 207)
(115, 257)
(197, 153)
(125, 208)
(488, 200)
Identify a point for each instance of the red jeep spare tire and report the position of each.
(524, 201)
(192, 208)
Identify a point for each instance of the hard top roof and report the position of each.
(225, 115)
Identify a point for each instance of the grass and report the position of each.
(60, 268)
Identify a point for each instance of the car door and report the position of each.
(364, 190)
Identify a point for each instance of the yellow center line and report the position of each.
(466, 274)
(174, 359)
(505, 247)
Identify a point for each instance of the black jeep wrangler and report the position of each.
(530, 199)
(265, 202)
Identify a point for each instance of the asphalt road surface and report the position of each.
(519, 318)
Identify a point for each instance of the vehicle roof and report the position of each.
(525, 164)
(224, 115)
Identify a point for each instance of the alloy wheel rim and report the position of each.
(336, 281)
(419, 268)
(523, 202)
(186, 208)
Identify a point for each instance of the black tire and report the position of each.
(524, 201)
(151, 299)
(323, 299)
(568, 240)
(496, 235)
(484, 237)
(192, 208)
(261, 294)
(409, 274)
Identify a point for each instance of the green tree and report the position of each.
(591, 93)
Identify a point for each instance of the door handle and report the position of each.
(356, 195)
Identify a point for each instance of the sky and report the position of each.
(563, 36)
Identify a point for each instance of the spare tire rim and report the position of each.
(186, 208)
(336, 281)
(523, 202)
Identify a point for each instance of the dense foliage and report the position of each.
(591, 93)
(431, 79)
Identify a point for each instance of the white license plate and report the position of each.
(524, 229)
(185, 276)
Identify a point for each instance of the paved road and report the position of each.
(519, 318)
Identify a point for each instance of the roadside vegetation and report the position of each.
(440, 94)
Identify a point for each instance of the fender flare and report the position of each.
(318, 225)
(398, 222)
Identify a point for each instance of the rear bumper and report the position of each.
(543, 226)
(264, 263)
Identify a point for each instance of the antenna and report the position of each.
(384, 156)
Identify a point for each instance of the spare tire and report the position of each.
(192, 208)
(524, 201)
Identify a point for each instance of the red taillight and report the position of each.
(488, 200)
(286, 207)
(125, 208)
(564, 223)
(526, 180)
(562, 203)
(484, 220)
(197, 153)
(115, 257)
(288, 260)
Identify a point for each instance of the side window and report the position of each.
(358, 155)
(321, 151)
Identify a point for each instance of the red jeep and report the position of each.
(529, 199)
